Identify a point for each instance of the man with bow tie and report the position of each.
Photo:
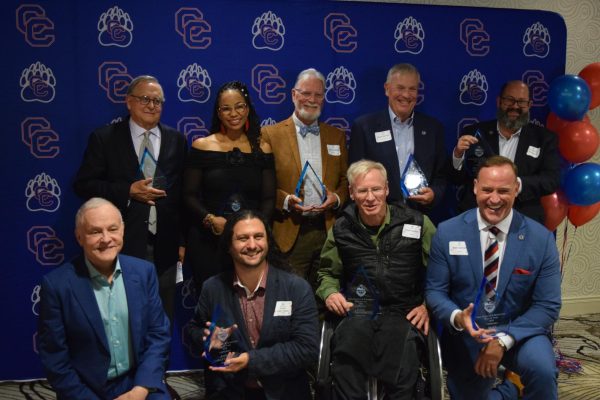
(310, 164)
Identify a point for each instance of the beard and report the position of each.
(516, 124)
(308, 115)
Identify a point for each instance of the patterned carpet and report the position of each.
(578, 339)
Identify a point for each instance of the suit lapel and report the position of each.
(270, 300)
(475, 256)
(513, 247)
(293, 144)
(131, 280)
(323, 137)
(165, 145)
(84, 293)
(128, 154)
(522, 147)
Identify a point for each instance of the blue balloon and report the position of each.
(582, 184)
(569, 97)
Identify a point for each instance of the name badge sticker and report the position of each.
(533, 152)
(283, 309)
(333, 149)
(383, 136)
(458, 249)
(411, 231)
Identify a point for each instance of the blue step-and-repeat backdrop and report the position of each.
(66, 66)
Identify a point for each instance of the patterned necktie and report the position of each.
(314, 129)
(148, 166)
(490, 263)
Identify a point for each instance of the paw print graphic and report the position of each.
(194, 84)
(536, 41)
(43, 193)
(37, 83)
(409, 36)
(340, 86)
(188, 294)
(268, 121)
(473, 88)
(268, 31)
(35, 299)
(115, 28)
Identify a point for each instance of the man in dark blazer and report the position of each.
(274, 312)
(102, 331)
(111, 169)
(519, 259)
(532, 148)
(390, 136)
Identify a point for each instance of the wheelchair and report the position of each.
(429, 384)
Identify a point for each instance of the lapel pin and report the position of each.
(521, 237)
(423, 133)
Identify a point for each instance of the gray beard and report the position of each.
(515, 125)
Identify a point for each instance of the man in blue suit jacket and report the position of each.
(103, 333)
(274, 312)
(526, 287)
(391, 135)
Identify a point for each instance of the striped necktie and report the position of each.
(490, 263)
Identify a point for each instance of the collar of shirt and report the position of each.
(503, 225)
(514, 135)
(98, 277)
(262, 284)
(299, 124)
(396, 120)
(137, 131)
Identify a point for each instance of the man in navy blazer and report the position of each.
(533, 148)
(523, 280)
(390, 136)
(111, 169)
(274, 312)
(102, 331)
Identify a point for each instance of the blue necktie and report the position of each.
(314, 129)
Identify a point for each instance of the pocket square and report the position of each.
(521, 271)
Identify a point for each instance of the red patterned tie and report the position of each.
(490, 263)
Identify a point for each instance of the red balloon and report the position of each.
(591, 74)
(555, 209)
(554, 123)
(578, 141)
(580, 215)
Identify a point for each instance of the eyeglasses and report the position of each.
(145, 100)
(307, 95)
(364, 192)
(511, 101)
(239, 108)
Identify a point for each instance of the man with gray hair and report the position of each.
(372, 273)
(310, 166)
(102, 331)
(138, 164)
(392, 135)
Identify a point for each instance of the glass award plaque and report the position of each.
(413, 178)
(310, 188)
(477, 154)
(490, 312)
(223, 341)
(149, 169)
(362, 293)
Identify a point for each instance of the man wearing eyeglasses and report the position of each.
(137, 164)
(302, 217)
(532, 148)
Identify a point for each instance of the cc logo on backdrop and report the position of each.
(463, 123)
(37, 83)
(268, 83)
(410, 36)
(193, 128)
(35, 299)
(33, 23)
(42, 193)
(538, 88)
(473, 88)
(114, 79)
(193, 28)
(474, 37)
(194, 84)
(340, 32)
(47, 248)
(340, 86)
(267, 122)
(38, 135)
(342, 124)
(268, 32)
(536, 41)
(115, 28)
(421, 92)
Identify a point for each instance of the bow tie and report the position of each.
(314, 129)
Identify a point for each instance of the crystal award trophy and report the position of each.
(361, 292)
(149, 169)
(223, 341)
(413, 178)
(477, 154)
(310, 188)
(489, 311)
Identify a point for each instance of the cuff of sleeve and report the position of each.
(508, 341)
(285, 203)
(457, 163)
(520, 185)
(337, 204)
(452, 316)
